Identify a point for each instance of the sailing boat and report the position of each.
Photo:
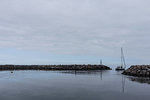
(123, 64)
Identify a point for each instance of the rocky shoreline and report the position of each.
(54, 67)
(138, 70)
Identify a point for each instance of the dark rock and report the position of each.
(138, 70)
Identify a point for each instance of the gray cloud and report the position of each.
(87, 27)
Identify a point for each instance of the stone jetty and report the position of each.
(138, 70)
(54, 67)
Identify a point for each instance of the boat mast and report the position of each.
(121, 59)
(123, 64)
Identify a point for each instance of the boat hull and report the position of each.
(119, 69)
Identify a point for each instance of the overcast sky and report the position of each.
(74, 31)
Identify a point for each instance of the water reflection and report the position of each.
(123, 83)
(86, 72)
(62, 85)
(90, 73)
(140, 79)
(101, 75)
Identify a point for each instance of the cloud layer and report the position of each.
(77, 27)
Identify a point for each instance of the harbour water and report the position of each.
(71, 85)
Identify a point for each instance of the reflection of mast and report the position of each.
(75, 71)
(123, 83)
(101, 74)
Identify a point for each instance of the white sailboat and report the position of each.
(123, 64)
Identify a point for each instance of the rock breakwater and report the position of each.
(138, 70)
(54, 67)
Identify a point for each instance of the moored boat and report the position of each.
(120, 68)
(123, 64)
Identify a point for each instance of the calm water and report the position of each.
(70, 85)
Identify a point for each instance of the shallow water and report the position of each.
(71, 85)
